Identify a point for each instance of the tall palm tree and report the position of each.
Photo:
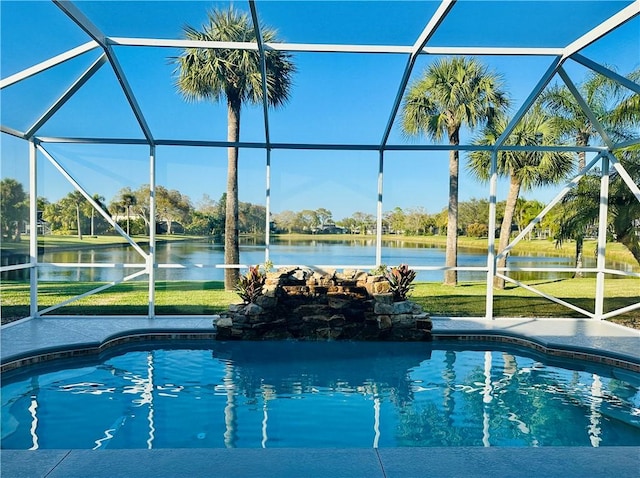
(100, 201)
(613, 106)
(77, 200)
(611, 103)
(128, 199)
(525, 169)
(581, 206)
(235, 75)
(452, 93)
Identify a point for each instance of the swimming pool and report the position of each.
(318, 395)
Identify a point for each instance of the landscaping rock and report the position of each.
(324, 305)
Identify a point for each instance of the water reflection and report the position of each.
(312, 394)
(198, 260)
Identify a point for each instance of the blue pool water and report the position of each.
(318, 394)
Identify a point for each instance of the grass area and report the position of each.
(209, 297)
(193, 297)
(468, 300)
(131, 298)
(87, 242)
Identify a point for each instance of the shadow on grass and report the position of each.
(474, 306)
(209, 297)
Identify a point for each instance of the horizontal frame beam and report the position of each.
(333, 48)
(317, 146)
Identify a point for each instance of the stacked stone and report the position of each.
(325, 305)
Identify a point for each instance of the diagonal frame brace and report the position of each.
(625, 176)
(47, 64)
(585, 107)
(435, 21)
(66, 96)
(612, 75)
(263, 69)
(98, 36)
(549, 206)
(91, 201)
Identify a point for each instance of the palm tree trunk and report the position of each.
(630, 240)
(579, 249)
(505, 228)
(451, 254)
(581, 140)
(231, 244)
(78, 221)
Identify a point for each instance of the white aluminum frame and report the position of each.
(99, 40)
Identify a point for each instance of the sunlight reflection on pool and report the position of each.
(319, 394)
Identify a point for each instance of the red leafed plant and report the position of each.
(249, 286)
(400, 279)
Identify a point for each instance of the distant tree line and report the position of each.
(130, 209)
(473, 220)
(177, 214)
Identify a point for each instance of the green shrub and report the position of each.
(381, 270)
(477, 230)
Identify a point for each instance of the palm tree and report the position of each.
(525, 169)
(613, 106)
(128, 199)
(100, 201)
(235, 75)
(77, 201)
(609, 101)
(582, 204)
(451, 93)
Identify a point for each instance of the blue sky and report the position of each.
(336, 98)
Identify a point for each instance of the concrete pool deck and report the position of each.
(33, 340)
(462, 462)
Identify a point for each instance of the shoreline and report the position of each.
(616, 252)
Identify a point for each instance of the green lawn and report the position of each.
(192, 297)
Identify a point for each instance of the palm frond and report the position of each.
(450, 93)
(211, 74)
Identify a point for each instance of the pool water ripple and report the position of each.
(315, 395)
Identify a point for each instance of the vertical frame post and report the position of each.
(491, 249)
(602, 237)
(33, 229)
(267, 205)
(151, 258)
(379, 210)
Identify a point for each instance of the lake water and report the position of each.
(198, 259)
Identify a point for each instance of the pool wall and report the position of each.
(37, 340)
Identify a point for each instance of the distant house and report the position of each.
(176, 227)
(43, 227)
(329, 228)
(374, 229)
